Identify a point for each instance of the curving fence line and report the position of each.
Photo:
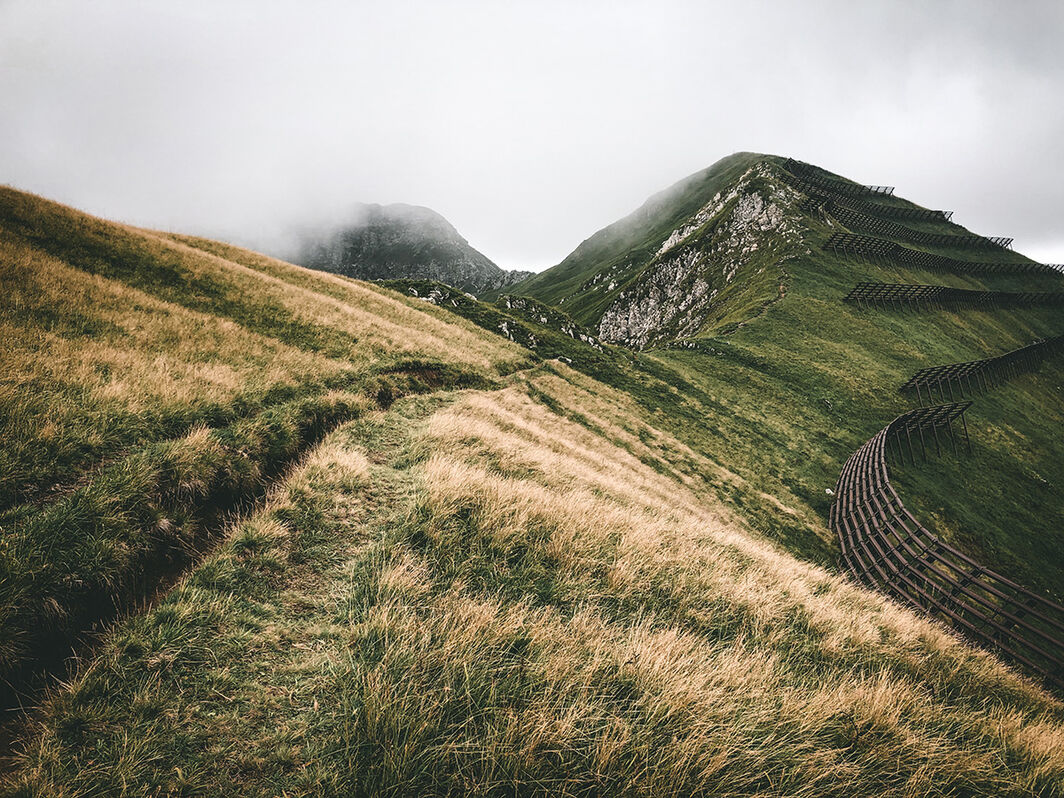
(858, 220)
(858, 214)
(913, 296)
(977, 376)
(884, 546)
(805, 176)
(814, 176)
(907, 213)
(879, 250)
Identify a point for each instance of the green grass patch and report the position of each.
(365, 634)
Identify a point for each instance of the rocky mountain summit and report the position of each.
(702, 256)
(749, 228)
(399, 241)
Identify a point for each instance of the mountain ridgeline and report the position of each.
(761, 236)
(770, 289)
(698, 258)
(608, 277)
(404, 242)
(331, 537)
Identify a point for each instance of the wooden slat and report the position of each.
(914, 296)
(879, 250)
(884, 546)
(977, 375)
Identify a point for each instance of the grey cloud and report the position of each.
(528, 125)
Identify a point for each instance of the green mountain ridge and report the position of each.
(778, 321)
(686, 262)
(483, 548)
(632, 236)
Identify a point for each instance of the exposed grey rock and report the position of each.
(549, 317)
(755, 222)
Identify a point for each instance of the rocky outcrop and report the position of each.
(543, 314)
(405, 242)
(751, 226)
(521, 320)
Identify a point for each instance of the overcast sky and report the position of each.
(529, 125)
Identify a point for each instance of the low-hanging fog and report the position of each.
(528, 125)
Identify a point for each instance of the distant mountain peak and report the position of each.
(400, 241)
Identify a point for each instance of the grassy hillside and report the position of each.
(147, 382)
(472, 594)
(461, 566)
(801, 379)
(617, 258)
(839, 368)
(790, 396)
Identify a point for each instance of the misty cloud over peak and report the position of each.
(526, 125)
(402, 241)
(414, 215)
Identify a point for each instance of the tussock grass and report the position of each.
(125, 329)
(652, 644)
(783, 393)
(550, 582)
(103, 545)
(146, 384)
(486, 597)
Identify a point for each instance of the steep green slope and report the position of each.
(802, 378)
(619, 250)
(710, 253)
(473, 594)
(543, 577)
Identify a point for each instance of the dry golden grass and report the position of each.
(116, 343)
(148, 353)
(499, 599)
(113, 336)
(529, 590)
(393, 306)
(743, 669)
(378, 321)
(102, 319)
